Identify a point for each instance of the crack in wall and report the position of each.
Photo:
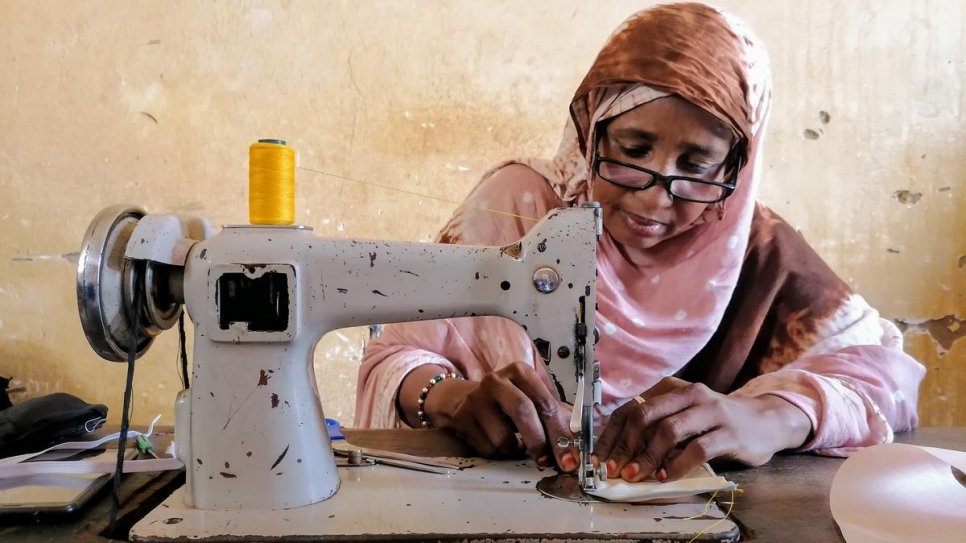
(945, 330)
(71, 258)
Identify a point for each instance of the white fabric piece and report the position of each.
(18, 466)
(80, 467)
(699, 481)
(899, 493)
(80, 445)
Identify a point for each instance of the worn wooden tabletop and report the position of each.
(784, 501)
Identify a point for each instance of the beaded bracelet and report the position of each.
(423, 419)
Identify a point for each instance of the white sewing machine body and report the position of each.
(250, 429)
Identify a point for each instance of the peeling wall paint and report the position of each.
(945, 331)
(155, 107)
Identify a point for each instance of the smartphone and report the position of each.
(50, 497)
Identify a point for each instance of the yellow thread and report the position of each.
(727, 514)
(428, 197)
(271, 183)
(706, 507)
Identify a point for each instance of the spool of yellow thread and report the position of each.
(271, 183)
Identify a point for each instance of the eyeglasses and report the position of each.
(691, 189)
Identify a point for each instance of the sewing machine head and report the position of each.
(250, 428)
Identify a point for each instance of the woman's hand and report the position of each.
(639, 438)
(509, 413)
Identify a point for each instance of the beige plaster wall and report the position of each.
(155, 104)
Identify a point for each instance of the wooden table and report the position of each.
(784, 501)
(788, 499)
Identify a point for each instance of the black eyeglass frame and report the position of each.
(667, 180)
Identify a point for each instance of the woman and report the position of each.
(732, 336)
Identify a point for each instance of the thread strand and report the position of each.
(419, 194)
(731, 506)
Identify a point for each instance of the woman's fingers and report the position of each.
(621, 439)
(499, 431)
(482, 424)
(670, 431)
(541, 419)
(644, 436)
(517, 409)
(474, 435)
(510, 401)
(613, 432)
(625, 443)
(705, 448)
(664, 386)
(649, 433)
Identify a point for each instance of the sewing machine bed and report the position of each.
(493, 501)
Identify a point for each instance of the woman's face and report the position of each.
(670, 136)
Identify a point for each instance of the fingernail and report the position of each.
(611, 467)
(630, 470)
(661, 475)
(567, 462)
(543, 461)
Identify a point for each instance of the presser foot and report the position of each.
(588, 476)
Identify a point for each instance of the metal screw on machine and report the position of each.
(355, 457)
(546, 280)
(352, 458)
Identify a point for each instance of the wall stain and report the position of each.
(945, 330)
(824, 117)
(810, 134)
(906, 197)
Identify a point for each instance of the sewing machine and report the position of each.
(250, 429)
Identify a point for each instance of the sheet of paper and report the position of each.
(900, 493)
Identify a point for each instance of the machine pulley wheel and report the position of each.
(105, 288)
